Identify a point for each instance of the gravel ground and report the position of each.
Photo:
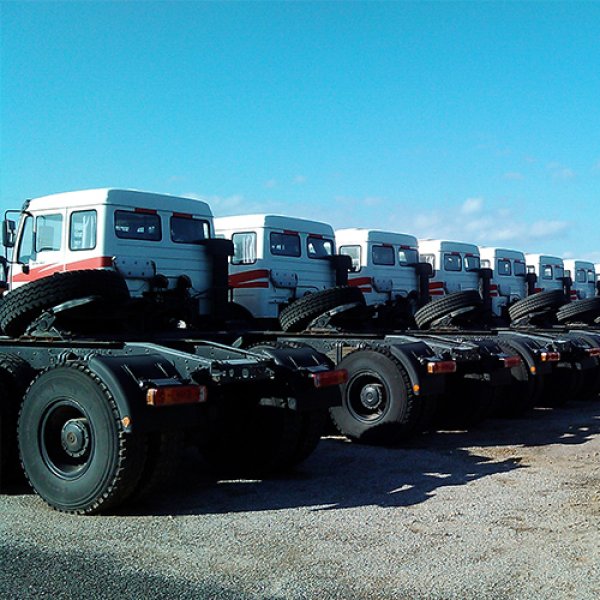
(510, 510)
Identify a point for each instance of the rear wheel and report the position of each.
(260, 440)
(15, 376)
(525, 391)
(466, 402)
(378, 403)
(74, 451)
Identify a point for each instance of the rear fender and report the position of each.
(412, 356)
(124, 376)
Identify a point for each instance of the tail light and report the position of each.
(440, 367)
(172, 395)
(327, 378)
(511, 361)
(550, 356)
(593, 351)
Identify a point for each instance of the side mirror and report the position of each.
(9, 231)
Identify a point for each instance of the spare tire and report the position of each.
(23, 305)
(300, 313)
(582, 311)
(447, 304)
(542, 300)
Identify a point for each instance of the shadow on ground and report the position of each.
(344, 475)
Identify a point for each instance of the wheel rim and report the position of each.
(367, 396)
(66, 439)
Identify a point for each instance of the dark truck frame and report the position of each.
(95, 417)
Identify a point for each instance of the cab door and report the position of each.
(40, 247)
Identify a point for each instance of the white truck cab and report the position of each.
(383, 263)
(550, 271)
(583, 274)
(276, 260)
(455, 265)
(509, 271)
(143, 236)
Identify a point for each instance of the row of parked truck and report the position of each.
(135, 323)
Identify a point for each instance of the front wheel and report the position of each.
(74, 451)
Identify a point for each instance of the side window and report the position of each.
(581, 276)
(188, 230)
(519, 268)
(26, 244)
(285, 244)
(317, 247)
(559, 272)
(472, 263)
(244, 248)
(132, 225)
(503, 267)
(82, 230)
(354, 253)
(407, 256)
(49, 232)
(452, 262)
(382, 255)
(591, 276)
(430, 259)
(547, 272)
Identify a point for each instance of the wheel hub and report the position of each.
(372, 395)
(75, 437)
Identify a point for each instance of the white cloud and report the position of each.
(473, 222)
(471, 205)
(299, 180)
(271, 183)
(547, 229)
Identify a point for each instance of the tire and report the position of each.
(23, 305)
(300, 313)
(550, 299)
(563, 384)
(256, 441)
(73, 449)
(523, 394)
(444, 306)
(579, 311)
(466, 403)
(164, 449)
(15, 376)
(378, 403)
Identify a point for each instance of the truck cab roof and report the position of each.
(427, 246)
(267, 221)
(120, 197)
(363, 235)
(491, 253)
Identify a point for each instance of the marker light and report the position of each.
(171, 395)
(327, 378)
(511, 361)
(440, 367)
(550, 356)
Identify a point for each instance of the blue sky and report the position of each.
(472, 121)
